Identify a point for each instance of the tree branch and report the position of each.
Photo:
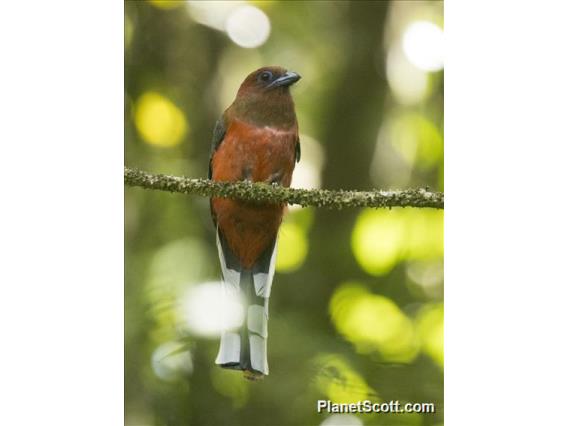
(261, 192)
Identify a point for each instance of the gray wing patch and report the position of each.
(218, 135)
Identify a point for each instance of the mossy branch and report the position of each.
(261, 192)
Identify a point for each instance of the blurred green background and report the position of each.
(357, 301)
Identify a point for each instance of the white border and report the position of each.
(61, 274)
(506, 161)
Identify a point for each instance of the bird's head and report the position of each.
(268, 81)
(264, 98)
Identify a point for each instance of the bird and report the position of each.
(256, 139)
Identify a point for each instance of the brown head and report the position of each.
(264, 98)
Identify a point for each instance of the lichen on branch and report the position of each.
(264, 193)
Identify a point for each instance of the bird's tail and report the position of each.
(245, 348)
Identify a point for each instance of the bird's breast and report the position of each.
(259, 154)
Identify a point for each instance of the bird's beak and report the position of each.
(286, 80)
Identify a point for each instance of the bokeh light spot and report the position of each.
(427, 276)
(381, 238)
(166, 4)
(292, 247)
(423, 45)
(408, 83)
(248, 26)
(377, 240)
(425, 234)
(171, 360)
(208, 310)
(213, 14)
(373, 323)
(418, 140)
(159, 121)
(339, 381)
(167, 274)
(169, 269)
(430, 326)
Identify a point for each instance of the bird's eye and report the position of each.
(265, 76)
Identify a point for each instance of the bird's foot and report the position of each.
(253, 376)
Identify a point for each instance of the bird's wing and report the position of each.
(298, 150)
(218, 135)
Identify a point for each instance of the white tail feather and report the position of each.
(253, 356)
